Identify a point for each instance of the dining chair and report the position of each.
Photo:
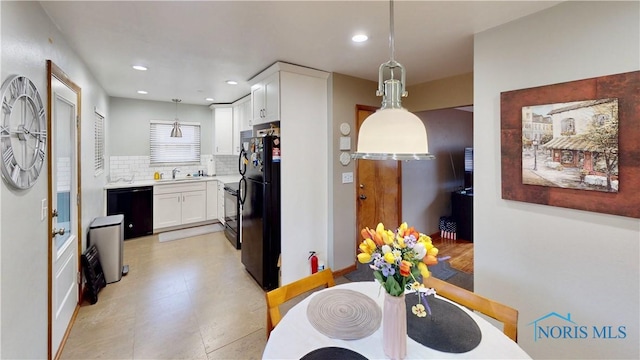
(503, 313)
(284, 293)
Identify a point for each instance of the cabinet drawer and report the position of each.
(178, 188)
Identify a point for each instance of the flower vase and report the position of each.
(394, 326)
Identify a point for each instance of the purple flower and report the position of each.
(410, 241)
(387, 270)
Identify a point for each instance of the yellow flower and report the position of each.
(419, 310)
(389, 258)
(433, 251)
(388, 237)
(424, 271)
(416, 285)
(364, 258)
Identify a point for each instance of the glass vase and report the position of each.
(394, 327)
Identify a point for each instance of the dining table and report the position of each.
(345, 322)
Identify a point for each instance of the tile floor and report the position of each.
(183, 299)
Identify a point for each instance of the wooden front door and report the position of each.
(378, 188)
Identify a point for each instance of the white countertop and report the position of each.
(223, 178)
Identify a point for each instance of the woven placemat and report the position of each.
(333, 353)
(344, 314)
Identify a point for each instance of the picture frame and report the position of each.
(626, 88)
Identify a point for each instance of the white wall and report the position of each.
(543, 259)
(130, 120)
(28, 40)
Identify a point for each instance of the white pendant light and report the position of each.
(392, 132)
(176, 131)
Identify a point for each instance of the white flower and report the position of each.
(420, 250)
(386, 249)
(419, 310)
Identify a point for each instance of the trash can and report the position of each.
(107, 234)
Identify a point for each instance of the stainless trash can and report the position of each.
(107, 234)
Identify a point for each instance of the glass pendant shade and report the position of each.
(393, 134)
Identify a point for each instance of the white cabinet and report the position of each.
(223, 130)
(179, 204)
(242, 108)
(221, 202)
(212, 200)
(241, 120)
(265, 100)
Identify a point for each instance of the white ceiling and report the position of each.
(192, 48)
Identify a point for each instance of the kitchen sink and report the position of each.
(180, 179)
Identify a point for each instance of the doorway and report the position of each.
(65, 243)
(378, 188)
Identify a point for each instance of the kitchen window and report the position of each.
(165, 149)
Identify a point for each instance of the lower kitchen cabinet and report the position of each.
(179, 204)
(212, 200)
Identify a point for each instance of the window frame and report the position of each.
(155, 143)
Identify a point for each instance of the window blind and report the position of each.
(165, 149)
(98, 152)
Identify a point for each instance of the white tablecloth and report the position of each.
(294, 336)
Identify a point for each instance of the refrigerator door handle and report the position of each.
(242, 161)
(242, 190)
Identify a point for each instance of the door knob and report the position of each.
(58, 232)
(361, 186)
(54, 213)
(363, 196)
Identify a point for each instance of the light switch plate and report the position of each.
(347, 177)
(43, 209)
(345, 143)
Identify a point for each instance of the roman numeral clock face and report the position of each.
(23, 132)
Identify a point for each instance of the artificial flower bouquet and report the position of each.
(398, 260)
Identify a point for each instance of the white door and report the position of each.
(64, 187)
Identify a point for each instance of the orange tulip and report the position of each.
(405, 268)
(430, 260)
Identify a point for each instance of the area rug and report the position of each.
(185, 233)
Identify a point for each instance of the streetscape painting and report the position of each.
(571, 145)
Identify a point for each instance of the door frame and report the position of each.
(54, 71)
(357, 181)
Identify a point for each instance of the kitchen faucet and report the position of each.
(173, 173)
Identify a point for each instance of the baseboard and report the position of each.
(344, 271)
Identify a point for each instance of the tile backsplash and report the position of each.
(135, 168)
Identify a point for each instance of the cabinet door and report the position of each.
(257, 103)
(272, 98)
(236, 130)
(212, 200)
(246, 122)
(223, 131)
(167, 210)
(194, 206)
(221, 202)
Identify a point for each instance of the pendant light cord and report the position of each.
(392, 47)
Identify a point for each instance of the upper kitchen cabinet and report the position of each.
(265, 99)
(241, 120)
(222, 129)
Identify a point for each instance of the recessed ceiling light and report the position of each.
(209, 99)
(142, 92)
(140, 67)
(232, 82)
(359, 38)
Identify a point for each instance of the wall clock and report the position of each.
(23, 132)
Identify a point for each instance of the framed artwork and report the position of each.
(574, 144)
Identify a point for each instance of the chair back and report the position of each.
(284, 293)
(503, 313)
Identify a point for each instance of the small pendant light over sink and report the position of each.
(392, 132)
(176, 132)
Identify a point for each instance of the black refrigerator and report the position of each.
(260, 198)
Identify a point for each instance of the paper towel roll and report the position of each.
(211, 167)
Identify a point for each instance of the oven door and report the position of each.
(231, 226)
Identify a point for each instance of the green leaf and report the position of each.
(393, 287)
(378, 277)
